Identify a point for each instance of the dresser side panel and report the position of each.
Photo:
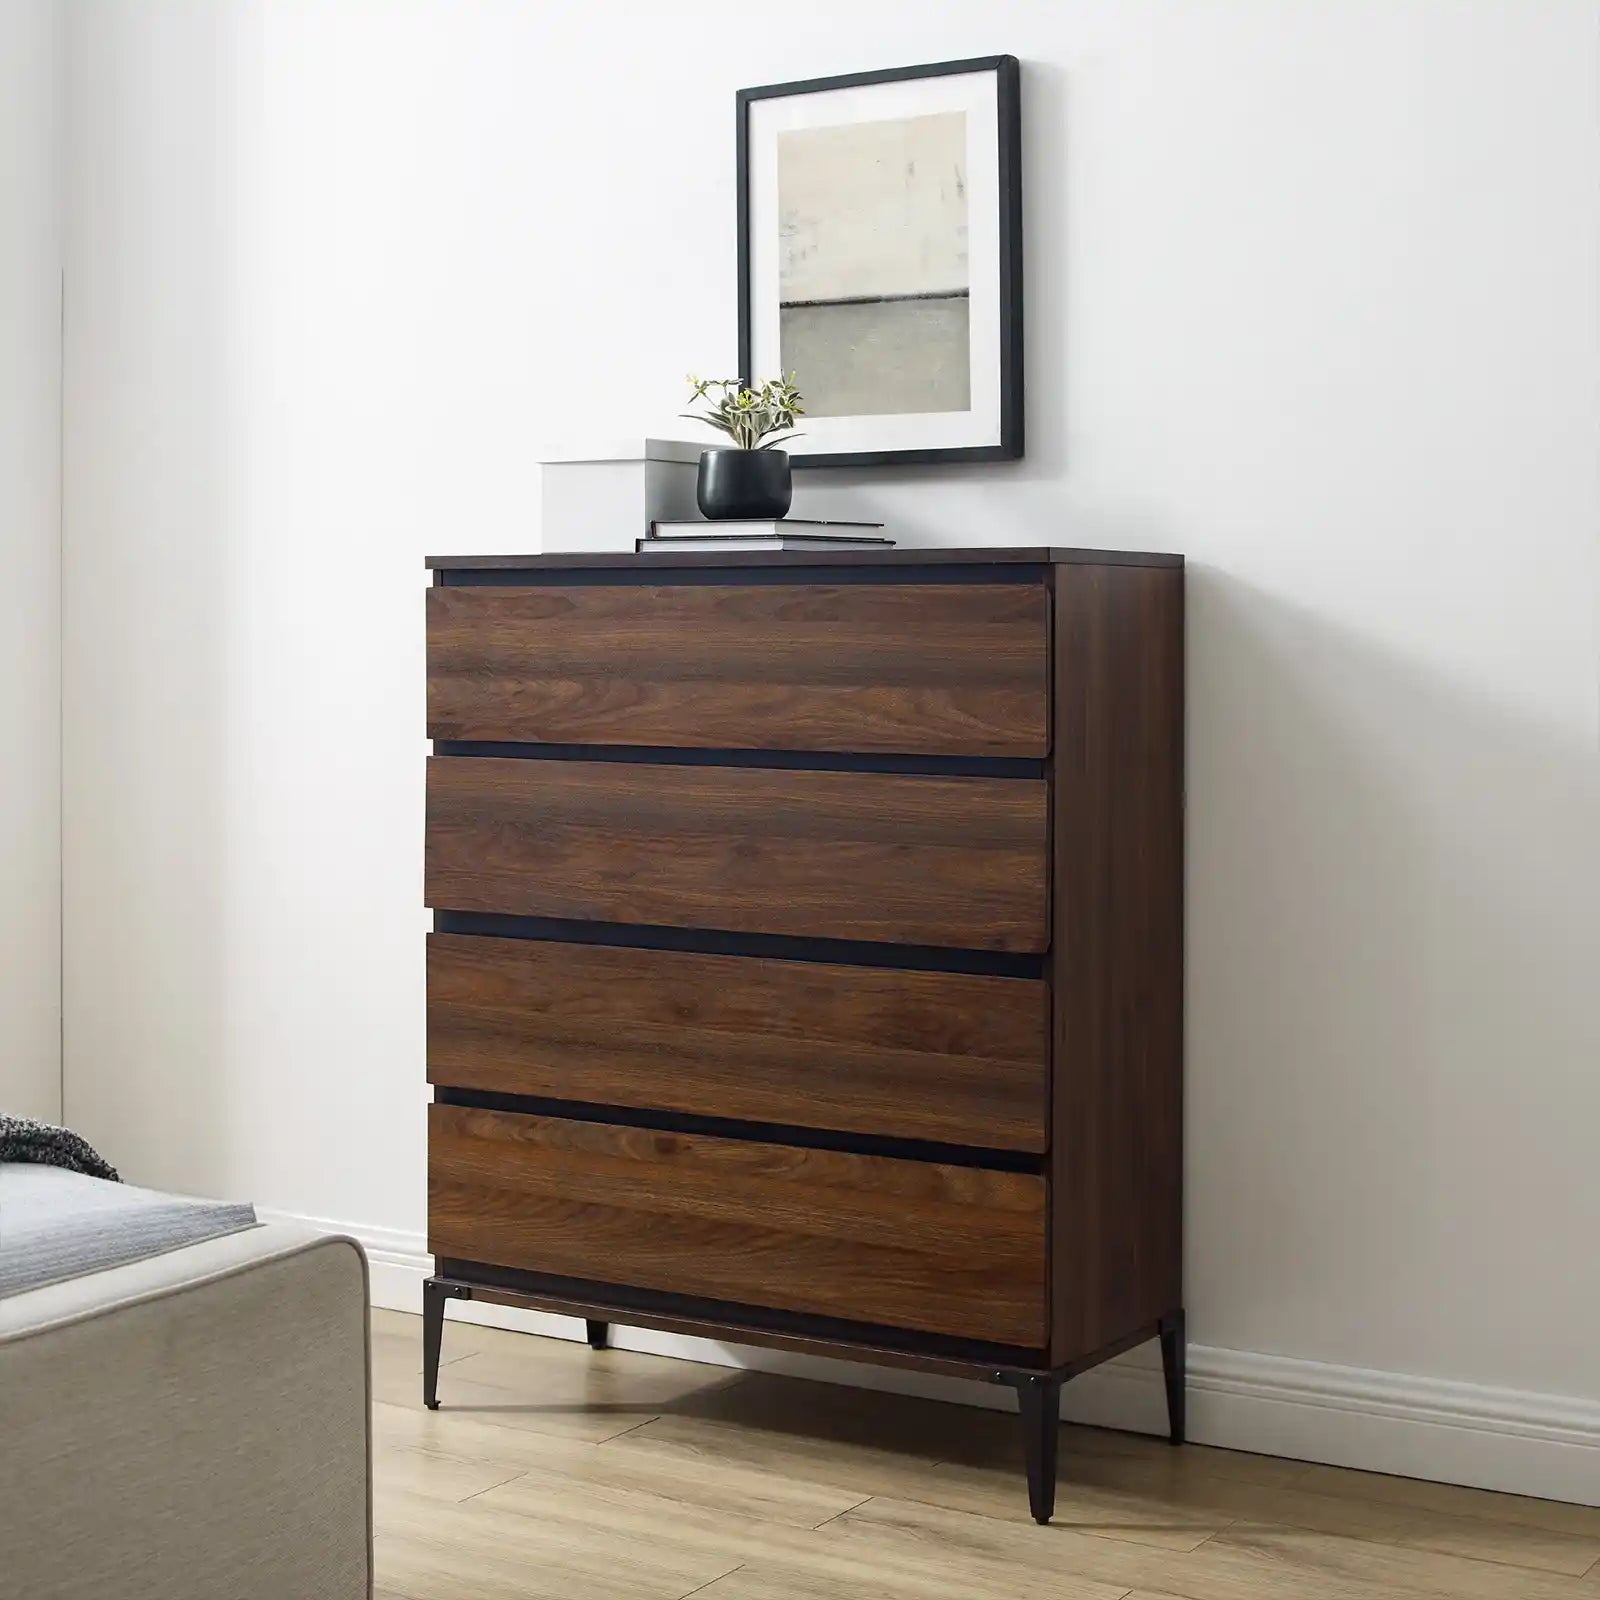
(1117, 955)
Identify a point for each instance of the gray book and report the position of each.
(670, 547)
(720, 534)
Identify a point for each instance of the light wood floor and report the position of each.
(555, 1471)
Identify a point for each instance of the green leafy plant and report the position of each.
(754, 419)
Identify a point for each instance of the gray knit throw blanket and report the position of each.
(23, 1139)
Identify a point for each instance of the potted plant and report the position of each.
(752, 479)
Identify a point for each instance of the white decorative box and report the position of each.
(605, 500)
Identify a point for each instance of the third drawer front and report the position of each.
(906, 1244)
(938, 1056)
(881, 857)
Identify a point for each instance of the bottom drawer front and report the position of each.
(951, 1250)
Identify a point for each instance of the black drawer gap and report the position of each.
(783, 760)
(721, 942)
(656, 577)
(858, 1144)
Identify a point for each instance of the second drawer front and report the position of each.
(910, 1244)
(870, 856)
(914, 1055)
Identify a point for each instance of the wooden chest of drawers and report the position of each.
(808, 954)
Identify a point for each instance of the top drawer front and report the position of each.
(916, 669)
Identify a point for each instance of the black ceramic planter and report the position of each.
(744, 483)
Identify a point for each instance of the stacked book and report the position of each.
(784, 533)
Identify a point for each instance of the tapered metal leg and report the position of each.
(433, 1299)
(1039, 1401)
(599, 1333)
(434, 1294)
(1174, 1361)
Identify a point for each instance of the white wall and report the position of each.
(30, 608)
(1311, 298)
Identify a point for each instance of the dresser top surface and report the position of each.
(900, 556)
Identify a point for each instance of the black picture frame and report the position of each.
(1008, 95)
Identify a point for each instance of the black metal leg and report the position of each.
(1174, 1358)
(434, 1294)
(599, 1332)
(1039, 1401)
(433, 1299)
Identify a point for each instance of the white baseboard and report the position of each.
(1507, 1439)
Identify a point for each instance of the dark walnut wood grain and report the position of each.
(844, 855)
(953, 1250)
(936, 669)
(914, 1055)
(1117, 1152)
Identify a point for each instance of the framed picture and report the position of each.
(880, 260)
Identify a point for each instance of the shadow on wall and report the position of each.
(150, 750)
(1394, 939)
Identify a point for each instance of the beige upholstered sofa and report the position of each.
(192, 1426)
